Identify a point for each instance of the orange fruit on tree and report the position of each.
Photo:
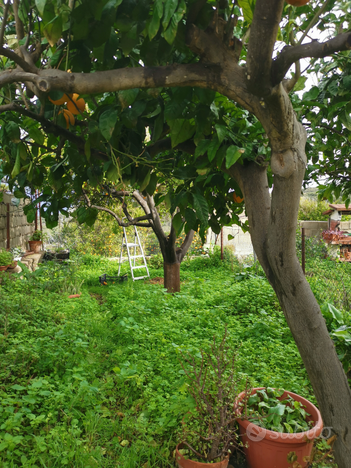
(237, 199)
(59, 102)
(76, 105)
(69, 117)
(297, 2)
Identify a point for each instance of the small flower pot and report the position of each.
(13, 265)
(73, 296)
(269, 449)
(187, 463)
(4, 267)
(35, 246)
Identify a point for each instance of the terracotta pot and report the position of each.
(187, 463)
(35, 246)
(269, 449)
(72, 296)
(13, 265)
(4, 267)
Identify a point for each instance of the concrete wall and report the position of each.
(241, 244)
(20, 230)
(313, 228)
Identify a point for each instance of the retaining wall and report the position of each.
(20, 229)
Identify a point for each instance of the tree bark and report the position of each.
(171, 272)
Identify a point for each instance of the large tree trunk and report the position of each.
(273, 223)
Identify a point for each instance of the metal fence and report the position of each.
(329, 278)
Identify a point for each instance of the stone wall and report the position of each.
(20, 229)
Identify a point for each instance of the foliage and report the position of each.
(36, 236)
(339, 326)
(210, 430)
(6, 257)
(312, 210)
(266, 408)
(97, 381)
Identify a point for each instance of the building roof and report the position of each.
(337, 207)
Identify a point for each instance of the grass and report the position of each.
(97, 382)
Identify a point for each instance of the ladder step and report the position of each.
(136, 256)
(140, 277)
(131, 245)
(135, 267)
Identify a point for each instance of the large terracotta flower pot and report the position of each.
(35, 246)
(269, 449)
(4, 267)
(187, 463)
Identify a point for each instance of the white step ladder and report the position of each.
(131, 257)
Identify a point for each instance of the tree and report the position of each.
(172, 255)
(208, 52)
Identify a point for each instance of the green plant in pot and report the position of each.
(6, 258)
(277, 428)
(35, 241)
(209, 432)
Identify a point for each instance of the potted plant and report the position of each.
(35, 241)
(6, 259)
(278, 429)
(209, 431)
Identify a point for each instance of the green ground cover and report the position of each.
(97, 382)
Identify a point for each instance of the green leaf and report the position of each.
(36, 135)
(152, 184)
(53, 30)
(300, 85)
(145, 182)
(190, 217)
(17, 166)
(201, 207)
(13, 132)
(170, 7)
(154, 25)
(221, 132)
(337, 315)
(112, 173)
(232, 155)
(202, 147)
(87, 149)
(212, 149)
(107, 123)
(177, 223)
(40, 4)
(247, 7)
(171, 31)
(127, 97)
(312, 94)
(181, 130)
(22, 150)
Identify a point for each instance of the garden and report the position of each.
(99, 381)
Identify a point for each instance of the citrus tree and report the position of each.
(208, 79)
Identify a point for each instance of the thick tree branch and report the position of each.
(182, 251)
(263, 36)
(314, 49)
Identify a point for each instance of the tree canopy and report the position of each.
(210, 84)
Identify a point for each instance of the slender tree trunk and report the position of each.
(171, 272)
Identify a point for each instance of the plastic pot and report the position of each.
(187, 463)
(269, 449)
(73, 296)
(4, 267)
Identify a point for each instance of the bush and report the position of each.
(311, 210)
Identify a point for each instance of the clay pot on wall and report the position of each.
(35, 246)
